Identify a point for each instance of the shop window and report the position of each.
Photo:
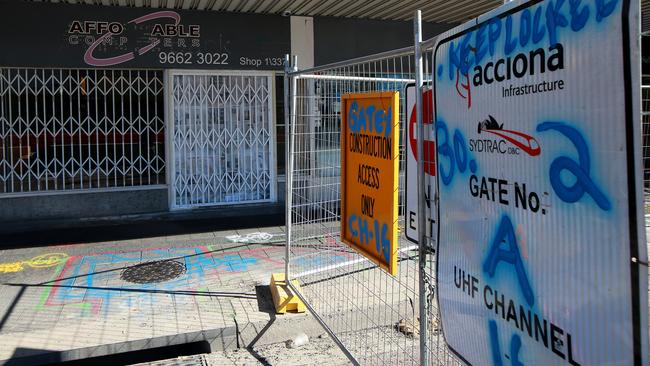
(66, 130)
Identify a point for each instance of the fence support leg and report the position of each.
(422, 232)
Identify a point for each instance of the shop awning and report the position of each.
(440, 11)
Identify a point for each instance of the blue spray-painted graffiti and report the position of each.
(475, 45)
(92, 280)
(494, 343)
(515, 346)
(535, 35)
(581, 170)
(506, 232)
(457, 157)
(365, 234)
(371, 118)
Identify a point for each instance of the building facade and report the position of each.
(112, 111)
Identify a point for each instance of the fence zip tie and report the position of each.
(638, 261)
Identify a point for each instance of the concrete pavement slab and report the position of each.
(69, 301)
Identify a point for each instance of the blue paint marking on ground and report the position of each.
(95, 278)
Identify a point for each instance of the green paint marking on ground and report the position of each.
(85, 306)
(46, 291)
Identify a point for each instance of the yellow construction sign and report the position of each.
(369, 174)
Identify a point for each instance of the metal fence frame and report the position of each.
(391, 70)
(429, 348)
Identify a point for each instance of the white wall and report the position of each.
(302, 40)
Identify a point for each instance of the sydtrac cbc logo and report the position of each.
(503, 141)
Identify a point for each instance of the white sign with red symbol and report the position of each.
(411, 212)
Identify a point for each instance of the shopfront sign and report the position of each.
(538, 147)
(369, 174)
(62, 35)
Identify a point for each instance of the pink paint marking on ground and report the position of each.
(97, 303)
(49, 301)
(257, 253)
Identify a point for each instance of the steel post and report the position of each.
(290, 131)
(287, 172)
(422, 232)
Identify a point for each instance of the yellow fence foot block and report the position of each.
(283, 299)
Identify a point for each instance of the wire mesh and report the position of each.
(645, 131)
(374, 314)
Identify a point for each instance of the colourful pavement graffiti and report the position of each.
(40, 261)
(92, 283)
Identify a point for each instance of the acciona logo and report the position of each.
(498, 140)
(537, 61)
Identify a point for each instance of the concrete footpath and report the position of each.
(78, 301)
(68, 302)
(319, 351)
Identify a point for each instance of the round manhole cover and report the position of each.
(153, 272)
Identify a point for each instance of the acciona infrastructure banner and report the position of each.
(540, 217)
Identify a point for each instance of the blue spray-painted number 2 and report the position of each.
(581, 169)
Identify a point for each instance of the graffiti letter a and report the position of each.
(511, 255)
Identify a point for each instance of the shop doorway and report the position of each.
(222, 138)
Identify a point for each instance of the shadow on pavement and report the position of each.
(43, 233)
(28, 356)
(265, 304)
(11, 307)
(236, 295)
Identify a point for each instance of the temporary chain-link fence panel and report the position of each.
(374, 317)
(373, 314)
